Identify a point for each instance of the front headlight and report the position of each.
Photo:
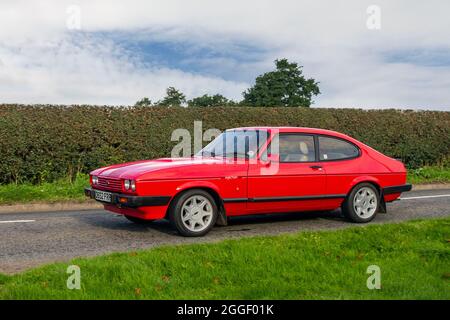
(126, 184)
(133, 185)
(94, 179)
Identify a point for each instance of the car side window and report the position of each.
(293, 147)
(336, 149)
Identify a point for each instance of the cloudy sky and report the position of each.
(396, 54)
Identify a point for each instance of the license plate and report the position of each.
(103, 196)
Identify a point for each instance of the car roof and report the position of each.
(303, 130)
(296, 129)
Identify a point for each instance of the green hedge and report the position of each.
(43, 143)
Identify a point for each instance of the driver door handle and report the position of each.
(316, 167)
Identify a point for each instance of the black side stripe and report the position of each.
(397, 189)
(281, 199)
(235, 200)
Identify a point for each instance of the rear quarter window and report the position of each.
(336, 149)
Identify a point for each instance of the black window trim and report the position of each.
(337, 138)
(316, 146)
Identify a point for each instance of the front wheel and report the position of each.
(193, 213)
(362, 203)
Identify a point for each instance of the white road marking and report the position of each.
(425, 197)
(17, 221)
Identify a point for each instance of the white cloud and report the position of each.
(43, 62)
(86, 71)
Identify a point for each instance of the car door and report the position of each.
(235, 148)
(288, 176)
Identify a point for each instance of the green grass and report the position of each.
(431, 174)
(414, 258)
(65, 190)
(61, 190)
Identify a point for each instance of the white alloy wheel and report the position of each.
(365, 202)
(196, 213)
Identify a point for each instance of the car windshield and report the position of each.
(235, 144)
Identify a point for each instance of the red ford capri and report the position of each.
(254, 170)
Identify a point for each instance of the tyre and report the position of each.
(193, 213)
(137, 220)
(362, 204)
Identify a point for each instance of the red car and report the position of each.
(254, 170)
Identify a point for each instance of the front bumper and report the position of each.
(125, 200)
(397, 189)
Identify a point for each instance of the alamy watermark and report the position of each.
(73, 21)
(373, 21)
(186, 141)
(242, 146)
(374, 280)
(74, 279)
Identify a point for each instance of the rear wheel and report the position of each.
(362, 203)
(193, 213)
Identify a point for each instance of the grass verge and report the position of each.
(414, 258)
(432, 174)
(60, 190)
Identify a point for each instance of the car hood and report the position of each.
(169, 167)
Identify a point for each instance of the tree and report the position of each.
(144, 102)
(173, 98)
(216, 100)
(286, 86)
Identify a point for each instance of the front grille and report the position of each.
(110, 184)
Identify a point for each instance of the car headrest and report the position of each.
(303, 147)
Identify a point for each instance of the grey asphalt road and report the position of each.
(32, 239)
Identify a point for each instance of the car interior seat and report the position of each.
(305, 152)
